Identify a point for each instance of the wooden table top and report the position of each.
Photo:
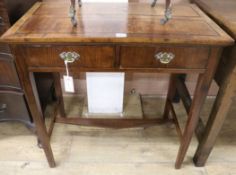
(223, 11)
(48, 22)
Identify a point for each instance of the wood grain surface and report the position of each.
(223, 12)
(49, 23)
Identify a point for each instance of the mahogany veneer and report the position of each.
(90, 56)
(144, 57)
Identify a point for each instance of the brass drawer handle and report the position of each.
(70, 57)
(3, 108)
(164, 57)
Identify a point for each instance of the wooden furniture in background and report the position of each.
(13, 106)
(122, 38)
(224, 13)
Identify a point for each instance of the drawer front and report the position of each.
(164, 57)
(8, 74)
(90, 56)
(13, 107)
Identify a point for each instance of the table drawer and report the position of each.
(8, 74)
(164, 57)
(90, 56)
(13, 107)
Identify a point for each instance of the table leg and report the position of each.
(217, 117)
(170, 95)
(59, 95)
(30, 89)
(35, 108)
(203, 85)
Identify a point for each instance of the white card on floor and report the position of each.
(69, 83)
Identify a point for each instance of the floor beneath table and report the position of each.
(95, 151)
